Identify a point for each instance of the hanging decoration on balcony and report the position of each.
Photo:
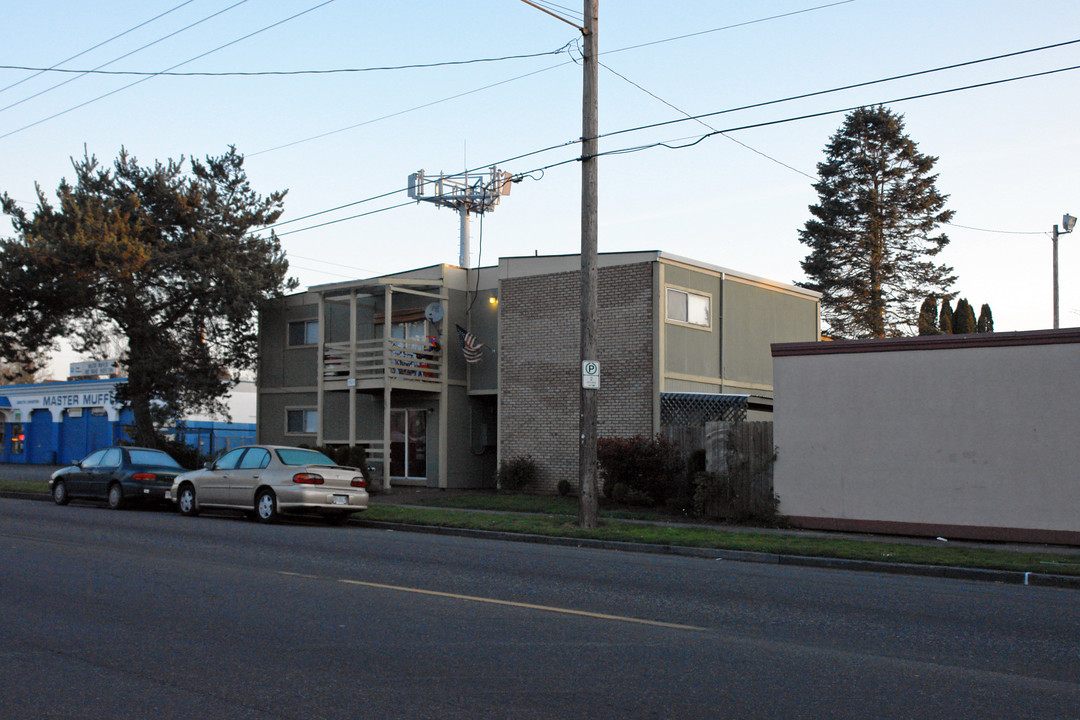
(472, 348)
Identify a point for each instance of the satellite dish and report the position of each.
(434, 312)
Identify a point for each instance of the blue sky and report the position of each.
(1007, 153)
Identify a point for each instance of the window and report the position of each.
(255, 459)
(152, 457)
(112, 458)
(17, 439)
(303, 332)
(228, 460)
(301, 421)
(688, 307)
(92, 460)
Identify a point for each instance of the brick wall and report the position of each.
(540, 365)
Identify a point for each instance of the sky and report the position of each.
(1007, 152)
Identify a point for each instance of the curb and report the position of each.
(1009, 577)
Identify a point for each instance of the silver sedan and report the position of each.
(270, 480)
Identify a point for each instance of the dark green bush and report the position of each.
(650, 466)
(517, 473)
(189, 457)
(618, 493)
(565, 488)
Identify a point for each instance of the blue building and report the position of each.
(59, 423)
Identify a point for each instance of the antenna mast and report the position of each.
(476, 193)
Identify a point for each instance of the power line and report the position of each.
(730, 27)
(522, 77)
(688, 115)
(351, 217)
(649, 146)
(185, 62)
(866, 84)
(95, 47)
(403, 112)
(264, 73)
(1002, 232)
(117, 59)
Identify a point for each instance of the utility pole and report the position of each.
(590, 129)
(1068, 222)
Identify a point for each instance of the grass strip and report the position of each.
(775, 543)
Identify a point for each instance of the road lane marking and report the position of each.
(510, 603)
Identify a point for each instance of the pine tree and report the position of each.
(872, 235)
(171, 261)
(928, 314)
(963, 321)
(986, 320)
(945, 319)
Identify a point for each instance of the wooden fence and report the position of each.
(741, 455)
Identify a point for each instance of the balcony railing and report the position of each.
(372, 362)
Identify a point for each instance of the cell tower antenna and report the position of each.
(467, 193)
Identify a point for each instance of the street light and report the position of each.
(1068, 222)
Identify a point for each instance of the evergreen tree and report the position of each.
(945, 319)
(986, 320)
(928, 314)
(872, 235)
(166, 259)
(963, 322)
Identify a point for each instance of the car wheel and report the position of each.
(186, 503)
(59, 493)
(116, 496)
(266, 507)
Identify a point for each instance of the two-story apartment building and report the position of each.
(380, 362)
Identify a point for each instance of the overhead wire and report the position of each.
(83, 73)
(667, 144)
(552, 67)
(185, 62)
(265, 73)
(56, 66)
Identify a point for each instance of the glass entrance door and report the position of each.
(408, 444)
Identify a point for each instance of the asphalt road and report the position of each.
(137, 614)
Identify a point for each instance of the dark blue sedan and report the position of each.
(117, 475)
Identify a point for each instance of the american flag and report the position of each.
(470, 346)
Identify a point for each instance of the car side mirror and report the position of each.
(208, 465)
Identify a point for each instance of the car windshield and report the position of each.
(155, 458)
(299, 456)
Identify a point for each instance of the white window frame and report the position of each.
(307, 331)
(691, 296)
(310, 413)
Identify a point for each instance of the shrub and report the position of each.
(618, 493)
(565, 488)
(517, 473)
(189, 457)
(650, 466)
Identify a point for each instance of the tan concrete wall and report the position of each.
(978, 437)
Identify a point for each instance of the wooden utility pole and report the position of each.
(590, 128)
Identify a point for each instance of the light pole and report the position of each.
(1068, 222)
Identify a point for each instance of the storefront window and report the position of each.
(17, 439)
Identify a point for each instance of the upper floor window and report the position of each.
(688, 307)
(301, 420)
(303, 332)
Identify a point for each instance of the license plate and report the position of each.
(341, 499)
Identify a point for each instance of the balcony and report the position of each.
(376, 364)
